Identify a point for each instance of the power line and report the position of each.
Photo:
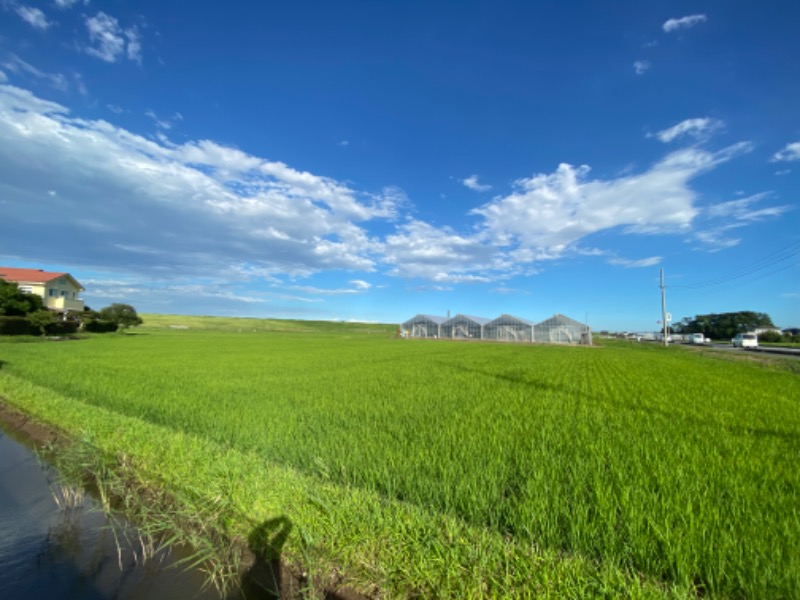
(756, 268)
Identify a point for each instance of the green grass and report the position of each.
(780, 344)
(460, 469)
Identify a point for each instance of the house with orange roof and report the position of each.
(59, 291)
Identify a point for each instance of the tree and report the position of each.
(15, 302)
(124, 315)
(722, 326)
(41, 319)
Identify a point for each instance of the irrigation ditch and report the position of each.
(110, 535)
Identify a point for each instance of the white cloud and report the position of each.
(419, 249)
(33, 17)
(640, 67)
(3, 77)
(164, 210)
(194, 208)
(472, 183)
(697, 128)
(551, 212)
(790, 152)
(683, 23)
(109, 42)
(635, 264)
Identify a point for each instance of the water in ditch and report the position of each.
(70, 552)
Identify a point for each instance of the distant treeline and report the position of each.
(720, 326)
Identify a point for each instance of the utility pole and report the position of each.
(664, 310)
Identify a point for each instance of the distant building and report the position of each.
(59, 291)
(760, 330)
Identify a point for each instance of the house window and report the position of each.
(26, 289)
(63, 293)
(52, 293)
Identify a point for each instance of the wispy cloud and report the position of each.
(717, 221)
(790, 153)
(717, 239)
(16, 65)
(359, 287)
(741, 209)
(696, 128)
(64, 4)
(166, 123)
(640, 67)
(472, 183)
(508, 290)
(33, 17)
(671, 25)
(636, 264)
(109, 42)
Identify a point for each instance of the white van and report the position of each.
(696, 338)
(745, 340)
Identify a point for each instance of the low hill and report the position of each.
(244, 324)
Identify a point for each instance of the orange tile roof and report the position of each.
(32, 275)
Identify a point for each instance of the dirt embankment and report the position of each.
(37, 434)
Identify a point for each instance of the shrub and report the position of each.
(98, 326)
(770, 337)
(62, 328)
(15, 326)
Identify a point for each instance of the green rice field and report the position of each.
(421, 468)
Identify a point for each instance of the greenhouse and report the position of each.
(423, 326)
(559, 329)
(507, 328)
(462, 327)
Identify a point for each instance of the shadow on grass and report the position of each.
(267, 573)
(270, 575)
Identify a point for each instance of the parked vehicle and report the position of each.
(745, 340)
(697, 338)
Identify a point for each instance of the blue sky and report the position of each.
(375, 160)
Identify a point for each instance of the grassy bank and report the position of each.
(453, 469)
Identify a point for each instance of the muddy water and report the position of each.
(52, 552)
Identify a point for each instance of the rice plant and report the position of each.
(674, 465)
